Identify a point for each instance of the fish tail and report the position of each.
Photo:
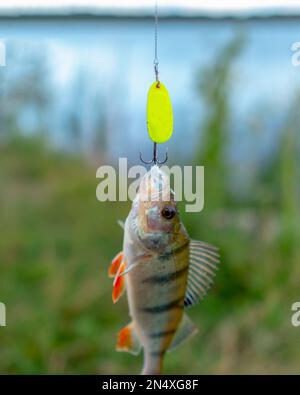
(153, 363)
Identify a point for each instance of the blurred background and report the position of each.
(72, 97)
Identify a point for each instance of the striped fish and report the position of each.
(163, 271)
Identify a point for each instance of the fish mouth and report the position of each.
(155, 186)
(153, 242)
(135, 228)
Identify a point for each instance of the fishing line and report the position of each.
(155, 61)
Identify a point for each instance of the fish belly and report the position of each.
(156, 290)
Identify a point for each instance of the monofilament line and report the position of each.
(155, 41)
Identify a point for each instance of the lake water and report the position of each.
(111, 64)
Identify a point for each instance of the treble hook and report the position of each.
(155, 160)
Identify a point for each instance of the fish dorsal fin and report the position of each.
(204, 260)
(185, 330)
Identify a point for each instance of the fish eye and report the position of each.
(168, 212)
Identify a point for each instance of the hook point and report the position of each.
(155, 159)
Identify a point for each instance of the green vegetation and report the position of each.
(57, 241)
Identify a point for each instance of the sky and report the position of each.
(227, 7)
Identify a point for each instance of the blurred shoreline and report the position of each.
(129, 17)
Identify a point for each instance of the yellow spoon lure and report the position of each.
(159, 113)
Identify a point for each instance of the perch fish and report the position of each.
(163, 271)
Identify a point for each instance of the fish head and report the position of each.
(154, 212)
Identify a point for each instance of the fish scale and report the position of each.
(156, 318)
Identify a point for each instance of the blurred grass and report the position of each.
(56, 244)
(57, 241)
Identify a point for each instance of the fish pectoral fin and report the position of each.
(141, 259)
(115, 264)
(185, 330)
(128, 340)
(204, 261)
(121, 224)
(130, 267)
(119, 283)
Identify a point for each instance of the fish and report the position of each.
(163, 271)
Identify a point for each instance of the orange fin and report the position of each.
(128, 340)
(115, 264)
(119, 283)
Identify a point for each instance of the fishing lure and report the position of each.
(163, 271)
(159, 113)
(159, 108)
(159, 118)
